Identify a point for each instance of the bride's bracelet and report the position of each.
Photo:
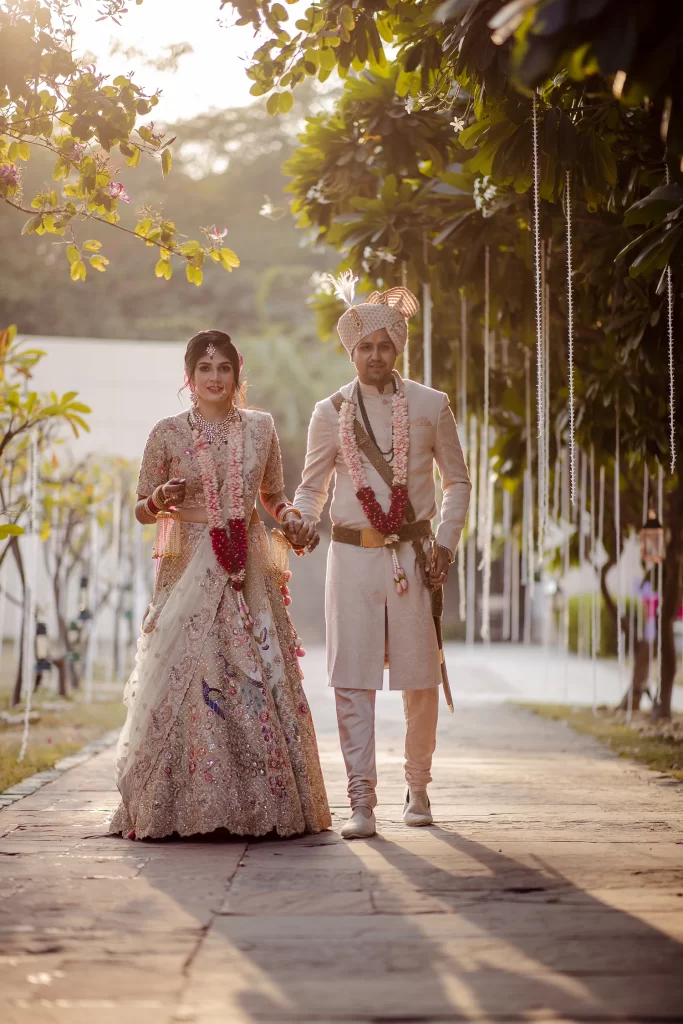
(284, 509)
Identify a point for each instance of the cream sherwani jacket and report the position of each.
(362, 608)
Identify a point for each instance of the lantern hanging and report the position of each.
(652, 540)
(42, 649)
(83, 612)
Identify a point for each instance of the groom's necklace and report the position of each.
(368, 427)
(215, 431)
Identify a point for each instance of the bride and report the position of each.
(218, 732)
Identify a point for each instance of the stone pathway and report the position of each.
(551, 889)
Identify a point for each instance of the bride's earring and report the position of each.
(193, 396)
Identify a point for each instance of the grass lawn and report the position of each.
(57, 734)
(659, 745)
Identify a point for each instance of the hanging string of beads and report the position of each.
(537, 276)
(617, 532)
(406, 350)
(462, 582)
(541, 445)
(570, 337)
(472, 533)
(660, 582)
(593, 630)
(486, 564)
(670, 330)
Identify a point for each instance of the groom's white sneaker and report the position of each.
(361, 824)
(417, 809)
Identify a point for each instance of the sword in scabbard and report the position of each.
(437, 613)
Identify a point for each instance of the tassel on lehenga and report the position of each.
(169, 538)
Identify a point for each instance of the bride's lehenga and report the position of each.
(219, 733)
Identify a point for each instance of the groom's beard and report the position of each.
(378, 376)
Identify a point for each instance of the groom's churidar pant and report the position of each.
(356, 720)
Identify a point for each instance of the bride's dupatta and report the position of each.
(169, 648)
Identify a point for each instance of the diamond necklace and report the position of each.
(215, 431)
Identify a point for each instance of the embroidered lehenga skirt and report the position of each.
(219, 732)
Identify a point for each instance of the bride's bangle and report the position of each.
(159, 499)
(284, 509)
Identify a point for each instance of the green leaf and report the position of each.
(273, 103)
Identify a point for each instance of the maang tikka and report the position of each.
(210, 349)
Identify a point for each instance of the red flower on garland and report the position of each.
(385, 522)
(230, 549)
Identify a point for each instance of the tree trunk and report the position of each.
(16, 551)
(16, 692)
(61, 662)
(672, 595)
(639, 680)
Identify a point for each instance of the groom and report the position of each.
(380, 437)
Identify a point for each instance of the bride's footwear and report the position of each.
(361, 824)
(131, 834)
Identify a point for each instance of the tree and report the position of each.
(225, 164)
(50, 101)
(385, 203)
(25, 416)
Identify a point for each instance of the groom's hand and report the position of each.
(301, 533)
(438, 573)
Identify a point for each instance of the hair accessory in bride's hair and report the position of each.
(210, 349)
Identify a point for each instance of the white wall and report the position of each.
(129, 385)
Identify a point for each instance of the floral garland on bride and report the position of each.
(387, 523)
(230, 548)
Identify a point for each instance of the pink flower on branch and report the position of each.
(9, 174)
(217, 234)
(117, 190)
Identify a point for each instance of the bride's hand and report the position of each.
(174, 491)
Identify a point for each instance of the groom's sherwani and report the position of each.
(360, 592)
(366, 618)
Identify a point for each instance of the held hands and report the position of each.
(173, 491)
(301, 533)
(438, 572)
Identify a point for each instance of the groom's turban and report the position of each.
(390, 310)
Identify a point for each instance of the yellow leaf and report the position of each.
(99, 263)
(286, 102)
(72, 253)
(92, 245)
(346, 17)
(229, 259)
(78, 271)
(166, 161)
